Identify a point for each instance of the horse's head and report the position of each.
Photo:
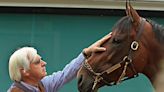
(125, 55)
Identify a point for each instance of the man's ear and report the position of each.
(24, 72)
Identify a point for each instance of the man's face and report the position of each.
(37, 68)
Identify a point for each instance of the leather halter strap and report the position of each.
(98, 76)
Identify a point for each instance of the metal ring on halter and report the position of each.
(127, 59)
(134, 45)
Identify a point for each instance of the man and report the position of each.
(27, 69)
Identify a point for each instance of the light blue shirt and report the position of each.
(52, 83)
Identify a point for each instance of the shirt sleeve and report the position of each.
(53, 82)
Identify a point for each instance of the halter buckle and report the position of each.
(126, 58)
(134, 45)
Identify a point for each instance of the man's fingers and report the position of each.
(100, 49)
(105, 38)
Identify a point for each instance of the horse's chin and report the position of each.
(96, 90)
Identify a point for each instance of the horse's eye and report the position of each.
(116, 41)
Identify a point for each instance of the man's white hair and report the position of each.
(21, 59)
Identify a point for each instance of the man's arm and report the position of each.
(55, 81)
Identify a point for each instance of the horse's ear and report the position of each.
(127, 8)
(132, 13)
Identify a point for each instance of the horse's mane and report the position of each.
(158, 30)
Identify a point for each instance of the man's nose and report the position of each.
(43, 63)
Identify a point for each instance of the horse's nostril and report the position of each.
(80, 79)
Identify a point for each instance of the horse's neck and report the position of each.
(155, 55)
(153, 65)
(158, 80)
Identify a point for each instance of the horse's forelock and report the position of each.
(123, 25)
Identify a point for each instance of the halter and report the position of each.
(126, 61)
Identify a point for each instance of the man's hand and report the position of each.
(96, 46)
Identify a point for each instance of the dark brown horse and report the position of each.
(136, 46)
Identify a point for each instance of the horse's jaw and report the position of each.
(88, 89)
